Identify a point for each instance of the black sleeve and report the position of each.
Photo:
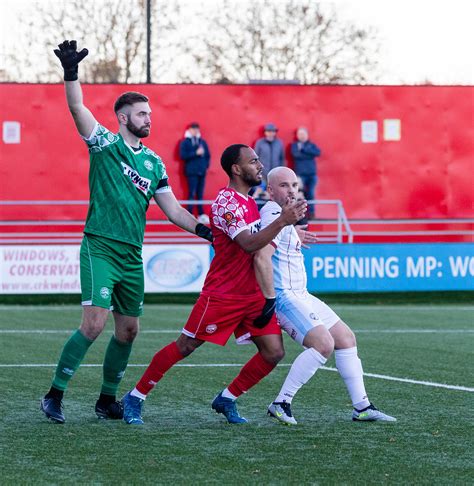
(163, 183)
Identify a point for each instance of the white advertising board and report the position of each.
(39, 269)
(54, 269)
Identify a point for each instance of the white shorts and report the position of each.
(299, 312)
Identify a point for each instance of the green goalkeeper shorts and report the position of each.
(112, 275)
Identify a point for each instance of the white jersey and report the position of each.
(288, 262)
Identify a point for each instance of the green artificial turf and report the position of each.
(183, 441)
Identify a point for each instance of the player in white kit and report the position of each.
(307, 320)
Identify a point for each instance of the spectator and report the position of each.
(270, 149)
(194, 151)
(304, 154)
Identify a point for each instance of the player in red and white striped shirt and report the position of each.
(231, 301)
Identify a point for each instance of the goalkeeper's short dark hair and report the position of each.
(231, 156)
(129, 98)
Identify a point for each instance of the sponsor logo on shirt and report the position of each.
(255, 226)
(139, 182)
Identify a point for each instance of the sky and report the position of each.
(421, 40)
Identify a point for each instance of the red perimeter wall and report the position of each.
(428, 174)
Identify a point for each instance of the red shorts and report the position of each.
(215, 318)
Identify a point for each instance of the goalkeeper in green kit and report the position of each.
(124, 175)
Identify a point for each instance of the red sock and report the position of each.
(253, 371)
(160, 364)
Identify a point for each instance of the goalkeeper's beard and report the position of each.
(138, 132)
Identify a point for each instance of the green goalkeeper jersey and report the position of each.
(121, 183)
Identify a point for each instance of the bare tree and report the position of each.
(193, 41)
(300, 40)
(113, 30)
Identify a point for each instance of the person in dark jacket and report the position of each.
(194, 151)
(270, 149)
(304, 154)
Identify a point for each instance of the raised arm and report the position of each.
(70, 59)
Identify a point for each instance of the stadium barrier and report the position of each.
(158, 229)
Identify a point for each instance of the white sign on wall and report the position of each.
(11, 132)
(369, 131)
(392, 130)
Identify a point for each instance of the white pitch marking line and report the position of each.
(236, 365)
(416, 331)
(176, 331)
(414, 382)
(364, 307)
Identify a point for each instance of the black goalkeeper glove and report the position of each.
(267, 312)
(70, 58)
(204, 232)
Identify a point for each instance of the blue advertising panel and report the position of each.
(390, 267)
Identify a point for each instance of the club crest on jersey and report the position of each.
(229, 217)
(211, 328)
(148, 165)
(104, 292)
(139, 182)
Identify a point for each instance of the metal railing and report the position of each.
(38, 228)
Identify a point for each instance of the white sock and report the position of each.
(136, 393)
(302, 369)
(350, 368)
(227, 394)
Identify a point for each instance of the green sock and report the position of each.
(73, 353)
(115, 362)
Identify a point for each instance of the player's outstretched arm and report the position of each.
(70, 58)
(181, 217)
(291, 213)
(262, 262)
(263, 267)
